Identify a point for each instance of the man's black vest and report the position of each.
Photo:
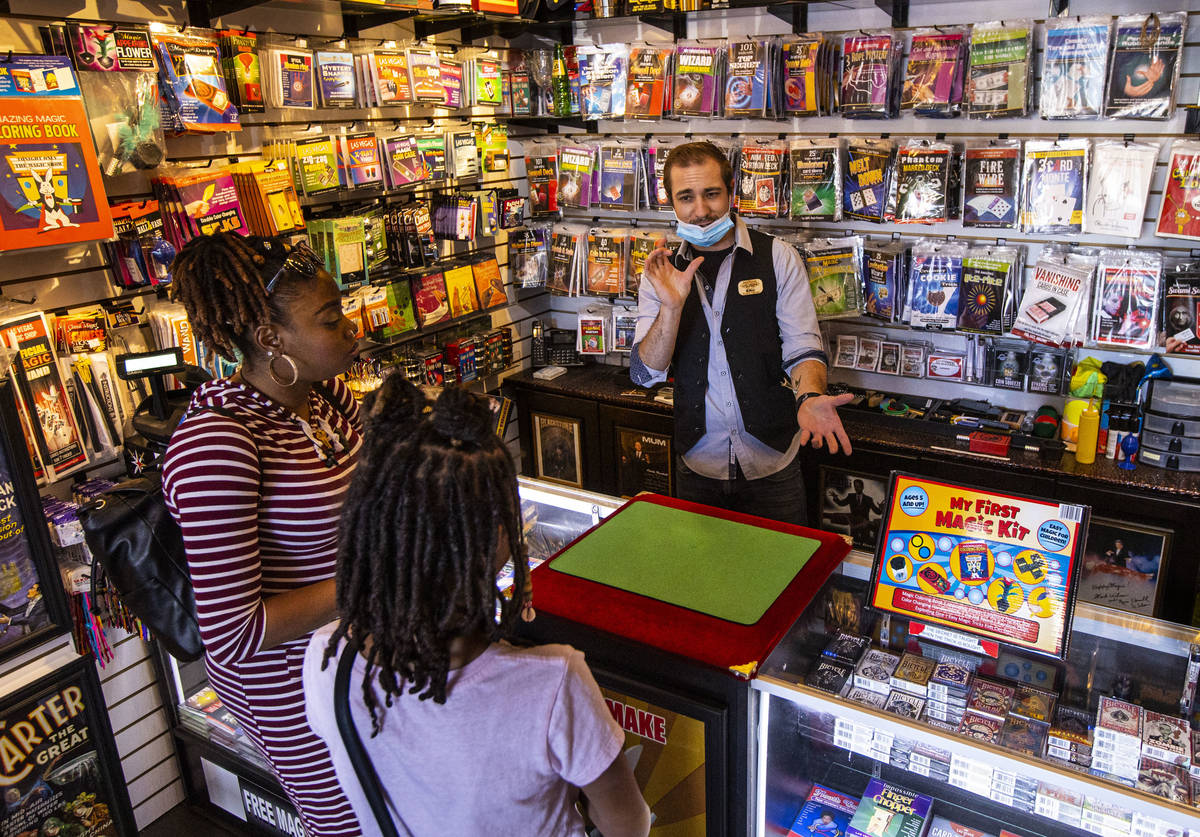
(750, 331)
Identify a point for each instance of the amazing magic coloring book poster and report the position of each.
(50, 187)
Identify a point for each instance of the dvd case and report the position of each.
(1179, 209)
(835, 275)
(761, 179)
(748, 75)
(923, 182)
(1128, 288)
(869, 169)
(933, 81)
(1074, 60)
(991, 181)
(999, 69)
(1119, 186)
(1054, 186)
(1145, 66)
(868, 71)
(816, 179)
(934, 275)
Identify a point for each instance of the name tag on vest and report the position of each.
(750, 287)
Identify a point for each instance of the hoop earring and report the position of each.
(271, 358)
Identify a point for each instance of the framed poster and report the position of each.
(676, 747)
(1001, 567)
(33, 606)
(556, 446)
(643, 462)
(1122, 564)
(60, 770)
(852, 503)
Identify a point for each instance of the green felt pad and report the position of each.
(732, 571)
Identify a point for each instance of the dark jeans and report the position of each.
(778, 497)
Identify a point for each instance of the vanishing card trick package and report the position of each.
(869, 168)
(762, 170)
(816, 178)
(1074, 58)
(1055, 296)
(869, 63)
(1144, 71)
(991, 179)
(1179, 210)
(1054, 188)
(999, 69)
(933, 83)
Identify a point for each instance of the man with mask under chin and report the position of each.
(732, 313)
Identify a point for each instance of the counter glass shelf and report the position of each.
(807, 735)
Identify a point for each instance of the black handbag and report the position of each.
(368, 779)
(140, 547)
(137, 543)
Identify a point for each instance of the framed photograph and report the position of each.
(556, 444)
(644, 462)
(852, 503)
(61, 774)
(1122, 564)
(33, 606)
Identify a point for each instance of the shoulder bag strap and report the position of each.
(368, 779)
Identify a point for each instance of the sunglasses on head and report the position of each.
(301, 259)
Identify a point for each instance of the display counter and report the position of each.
(811, 731)
(592, 417)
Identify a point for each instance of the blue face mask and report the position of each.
(704, 236)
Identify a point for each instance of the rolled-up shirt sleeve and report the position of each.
(794, 309)
(648, 306)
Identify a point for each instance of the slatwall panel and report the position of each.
(840, 17)
(77, 274)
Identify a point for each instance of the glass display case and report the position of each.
(222, 764)
(1029, 766)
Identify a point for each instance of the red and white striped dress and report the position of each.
(259, 508)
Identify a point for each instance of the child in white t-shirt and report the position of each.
(468, 734)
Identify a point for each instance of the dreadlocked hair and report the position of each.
(432, 502)
(221, 281)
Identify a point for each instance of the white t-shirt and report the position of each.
(520, 729)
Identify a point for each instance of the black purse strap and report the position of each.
(368, 779)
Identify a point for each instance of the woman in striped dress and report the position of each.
(257, 486)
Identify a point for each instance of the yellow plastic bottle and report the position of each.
(1089, 430)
